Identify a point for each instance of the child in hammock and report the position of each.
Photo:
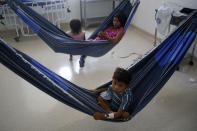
(117, 98)
(113, 33)
(76, 31)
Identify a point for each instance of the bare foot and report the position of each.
(125, 115)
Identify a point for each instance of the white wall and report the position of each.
(75, 8)
(145, 14)
(144, 17)
(186, 3)
(93, 9)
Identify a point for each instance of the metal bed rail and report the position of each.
(56, 11)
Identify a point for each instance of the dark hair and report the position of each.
(122, 75)
(122, 18)
(75, 26)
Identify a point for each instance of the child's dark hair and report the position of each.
(122, 18)
(122, 75)
(75, 26)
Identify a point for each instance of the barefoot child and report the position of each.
(76, 31)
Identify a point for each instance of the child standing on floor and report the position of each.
(76, 31)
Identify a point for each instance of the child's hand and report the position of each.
(94, 91)
(101, 34)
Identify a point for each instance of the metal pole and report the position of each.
(193, 50)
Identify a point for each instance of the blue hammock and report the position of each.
(149, 74)
(60, 42)
(29, 2)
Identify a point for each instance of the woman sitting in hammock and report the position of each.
(113, 33)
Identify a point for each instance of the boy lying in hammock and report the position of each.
(117, 98)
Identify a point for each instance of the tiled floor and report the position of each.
(25, 108)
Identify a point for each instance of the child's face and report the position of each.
(116, 22)
(118, 86)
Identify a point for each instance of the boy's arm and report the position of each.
(119, 113)
(99, 90)
(98, 115)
